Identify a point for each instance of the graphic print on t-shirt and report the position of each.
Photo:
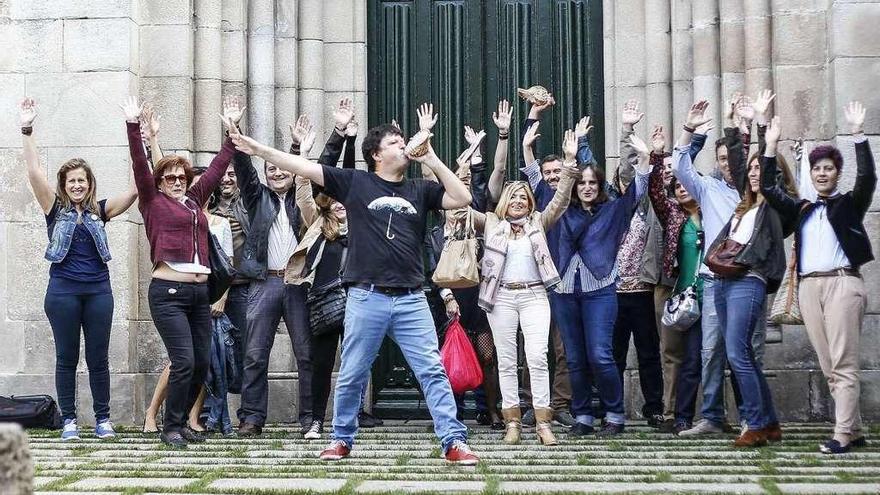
(392, 204)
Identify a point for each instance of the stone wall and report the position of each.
(80, 58)
(816, 55)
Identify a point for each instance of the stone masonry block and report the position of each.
(261, 117)
(311, 25)
(871, 271)
(609, 65)
(100, 44)
(632, 13)
(801, 102)
(732, 47)
(39, 347)
(682, 56)
(658, 58)
(286, 19)
(144, 275)
(286, 110)
(286, 63)
(166, 11)
(12, 355)
(207, 13)
(340, 21)
(31, 46)
(791, 394)
(851, 82)
(756, 33)
(848, 26)
(706, 51)
(870, 396)
(172, 98)
(360, 21)
(166, 51)
(283, 393)
(151, 354)
(799, 39)
(126, 395)
(68, 100)
(60, 9)
(630, 54)
(28, 242)
(340, 67)
(17, 203)
(234, 16)
(206, 105)
(13, 91)
(281, 356)
(261, 60)
(311, 64)
(234, 63)
(208, 57)
(848, 177)
(658, 104)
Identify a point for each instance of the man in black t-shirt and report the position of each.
(387, 216)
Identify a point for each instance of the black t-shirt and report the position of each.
(386, 225)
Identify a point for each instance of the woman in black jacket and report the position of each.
(832, 244)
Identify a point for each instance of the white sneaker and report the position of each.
(703, 427)
(70, 431)
(315, 430)
(104, 429)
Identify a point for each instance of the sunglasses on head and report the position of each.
(172, 179)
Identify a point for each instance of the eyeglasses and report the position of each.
(172, 179)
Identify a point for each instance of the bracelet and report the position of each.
(502, 137)
(27, 131)
(689, 129)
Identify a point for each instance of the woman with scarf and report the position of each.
(516, 273)
(591, 234)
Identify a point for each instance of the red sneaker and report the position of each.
(335, 451)
(459, 453)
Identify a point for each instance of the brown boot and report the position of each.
(513, 423)
(751, 438)
(773, 432)
(543, 418)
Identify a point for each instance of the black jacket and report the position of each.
(846, 212)
(262, 206)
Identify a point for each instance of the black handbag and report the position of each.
(222, 271)
(30, 411)
(327, 303)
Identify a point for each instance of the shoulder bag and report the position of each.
(222, 271)
(457, 267)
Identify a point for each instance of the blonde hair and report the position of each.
(507, 194)
(90, 201)
(750, 198)
(331, 226)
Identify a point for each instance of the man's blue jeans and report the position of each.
(586, 324)
(740, 305)
(369, 316)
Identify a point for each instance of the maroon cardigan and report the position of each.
(176, 232)
(671, 215)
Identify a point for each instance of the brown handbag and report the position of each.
(722, 258)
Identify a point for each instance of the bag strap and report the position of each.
(318, 256)
(343, 259)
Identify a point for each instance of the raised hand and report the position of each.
(745, 110)
(631, 115)
(639, 145)
(730, 106)
(427, 117)
(855, 116)
(583, 127)
(703, 129)
(569, 145)
(231, 125)
(245, 144)
(150, 122)
(762, 104)
(352, 128)
(308, 142)
(299, 131)
(697, 115)
(233, 109)
(773, 132)
(472, 136)
(532, 135)
(395, 124)
(131, 109)
(503, 116)
(27, 112)
(343, 114)
(658, 140)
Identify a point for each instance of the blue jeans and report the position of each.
(217, 385)
(369, 316)
(713, 354)
(688, 381)
(586, 323)
(740, 305)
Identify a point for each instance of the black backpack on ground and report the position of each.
(30, 411)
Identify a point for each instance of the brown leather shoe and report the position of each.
(249, 430)
(751, 439)
(773, 432)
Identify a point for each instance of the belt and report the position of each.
(388, 291)
(840, 272)
(276, 273)
(521, 285)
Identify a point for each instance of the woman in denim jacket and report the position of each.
(79, 294)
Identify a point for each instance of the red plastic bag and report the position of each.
(460, 360)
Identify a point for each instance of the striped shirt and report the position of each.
(588, 282)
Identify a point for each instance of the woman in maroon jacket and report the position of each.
(178, 233)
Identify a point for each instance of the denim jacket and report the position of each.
(61, 233)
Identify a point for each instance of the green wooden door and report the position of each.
(466, 55)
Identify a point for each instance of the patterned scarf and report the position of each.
(495, 255)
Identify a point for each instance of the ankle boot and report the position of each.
(543, 418)
(513, 423)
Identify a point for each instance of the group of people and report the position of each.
(565, 256)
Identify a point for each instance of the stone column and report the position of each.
(610, 88)
(732, 47)
(682, 63)
(658, 65)
(286, 70)
(234, 45)
(707, 68)
(311, 62)
(206, 74)
(756, 34)
(261, 70)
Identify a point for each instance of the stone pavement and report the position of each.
(404, 457)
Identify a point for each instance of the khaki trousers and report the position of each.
(671, 351)
(832, 309)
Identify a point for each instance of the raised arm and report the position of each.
(143, 177)
(43, 192)
(342, 116)
(502, 118)
(866, 172)
(150, 132)
(682, 164)
(531, 170)
(628, 156)
(305, 200)
(348, 157)
(203, 189)
(570, 174)
(661, 201)
(774, 193)
(533, 118)
(296, 165)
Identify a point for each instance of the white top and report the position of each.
(184, 267)
(744, 227)
(223, 232)
(520, 265)
(282, 238)
(820, 251)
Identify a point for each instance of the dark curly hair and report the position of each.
(373, 140)
(826, 151)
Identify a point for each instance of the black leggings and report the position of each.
(93, 313)
(182, 316)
